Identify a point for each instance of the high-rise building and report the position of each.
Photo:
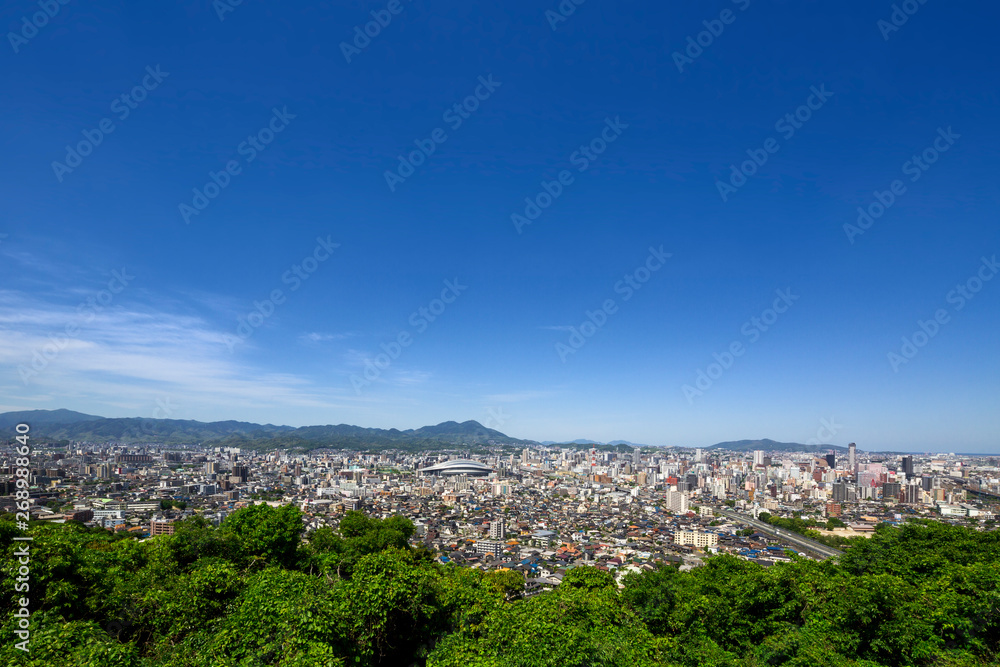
(852, 458)
(676, 501)
(699, 456)
(498, 530)
(839, 492)
(831, 460)
(908, 466)
(242, 471)
(758, 457)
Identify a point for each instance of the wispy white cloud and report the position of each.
(519, 396)
(405, 378)
(314, 337)
(127, 355)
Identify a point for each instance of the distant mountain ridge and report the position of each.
(34, 417)
(768, 445)
(75, 426)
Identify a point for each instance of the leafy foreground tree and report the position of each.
(255, 592)
(581, 623)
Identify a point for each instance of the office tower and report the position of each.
(890, 491)
(758, 457)
(242, 471)
(210, 468)
(839, 492)
(831, 460)
(914, 493)
(908, 466)
(852, 458)
(636, 458)
(498, 530)
(699, 456)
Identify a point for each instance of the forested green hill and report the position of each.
(254, 592)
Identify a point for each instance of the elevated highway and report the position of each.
(803, 543)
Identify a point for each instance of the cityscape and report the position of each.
(535, 510)
(386, 333)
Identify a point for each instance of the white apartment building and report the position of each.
(675, 501)
(696, 538)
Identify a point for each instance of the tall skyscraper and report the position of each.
(852, 458)
(831, 460)
(908, 466)
(699, 456)
(676, 501)
(839, 492)
(758, 457)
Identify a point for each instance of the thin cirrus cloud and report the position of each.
(315, 337)
(129, 351)
(520, 396)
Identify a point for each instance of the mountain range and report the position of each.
(67, 425)
(773, 446)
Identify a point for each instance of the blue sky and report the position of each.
(659, 132)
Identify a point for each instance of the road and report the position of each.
(803, 543)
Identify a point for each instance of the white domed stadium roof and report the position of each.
(458, 467)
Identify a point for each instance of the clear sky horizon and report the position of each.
(255, 212)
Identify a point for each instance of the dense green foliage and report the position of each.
(255, 591)
(807, 528)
